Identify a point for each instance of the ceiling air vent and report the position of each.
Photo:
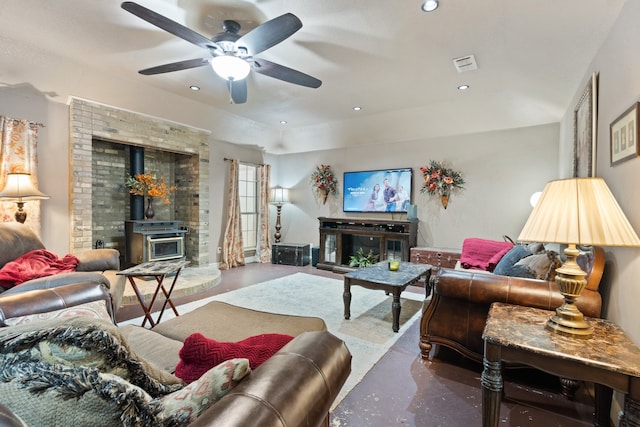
(465, 63)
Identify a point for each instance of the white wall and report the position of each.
(618, 66)
(502, 169)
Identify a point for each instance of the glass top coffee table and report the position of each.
(379, 277)
(158, 270)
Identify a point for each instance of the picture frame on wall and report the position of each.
(585, 131)
(624, 135)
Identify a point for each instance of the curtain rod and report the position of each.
(226, 159)
(16, 121)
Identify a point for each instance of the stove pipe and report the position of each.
(136, 163)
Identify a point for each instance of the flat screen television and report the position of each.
(383, 190)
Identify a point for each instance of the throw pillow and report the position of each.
(193, 399)
(483, 254)
(93, 309)
(515, 254)
(199, 353)
(541, 266)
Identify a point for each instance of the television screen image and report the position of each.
(385, 190)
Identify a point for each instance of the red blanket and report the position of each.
(34, 264)
(482, 254)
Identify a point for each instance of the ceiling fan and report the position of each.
(232, 55)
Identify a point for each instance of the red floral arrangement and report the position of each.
(324, 181)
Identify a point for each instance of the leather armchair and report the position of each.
(96, 265)
(456, 314)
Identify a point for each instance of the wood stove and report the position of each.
(149, 240)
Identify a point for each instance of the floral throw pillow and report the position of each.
(193, 399)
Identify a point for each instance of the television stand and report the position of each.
(341, 238)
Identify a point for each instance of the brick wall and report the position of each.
(100, 136)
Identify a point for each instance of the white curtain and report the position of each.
(264, 239)
(232, 246)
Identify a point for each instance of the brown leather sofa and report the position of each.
(96, 265)
(295, 387)
(456, 314)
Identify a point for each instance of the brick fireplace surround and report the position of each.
(100, 135)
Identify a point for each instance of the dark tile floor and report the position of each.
(403, 390)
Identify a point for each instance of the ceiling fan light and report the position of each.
(430, 5)
(230, 67)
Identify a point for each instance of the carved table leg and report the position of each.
(492, 385)
(346, 297)
(631, 415)
(603, 405)
(569, 388)
(395, 310)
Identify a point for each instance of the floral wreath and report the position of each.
(324, 182)
(440, 180)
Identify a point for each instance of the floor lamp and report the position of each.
(576, 211)
(278, 196)
(20, 188)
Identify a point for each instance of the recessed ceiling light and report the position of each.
(430, 5)
(356, 108)
(463, 87)
(194, 87)
(283, 122)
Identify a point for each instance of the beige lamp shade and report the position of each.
(279, 196)
(19, 187)
(579, 211)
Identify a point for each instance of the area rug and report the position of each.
(368, 333)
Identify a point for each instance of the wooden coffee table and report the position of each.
(379, 277)
(158, 270)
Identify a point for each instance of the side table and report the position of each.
(158, 270)
(609, 359)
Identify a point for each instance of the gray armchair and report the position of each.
(96, 265)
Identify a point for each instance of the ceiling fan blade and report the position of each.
(283, 73)
(168, 25)
(175, 66)
(238, 90)
(270, 33)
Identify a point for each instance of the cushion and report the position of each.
(541, 266)
(199, 353)
(153, 347)
(483, 254)
(515, 254)
(209, 388)
(93, 309)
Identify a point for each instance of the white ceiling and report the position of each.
(386, 56)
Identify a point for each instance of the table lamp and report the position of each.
(20, 189)
(278, 196)
(576, 211)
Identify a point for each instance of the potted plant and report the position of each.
(360, 259)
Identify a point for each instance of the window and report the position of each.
(248, 192)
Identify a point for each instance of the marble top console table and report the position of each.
(609, 359)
